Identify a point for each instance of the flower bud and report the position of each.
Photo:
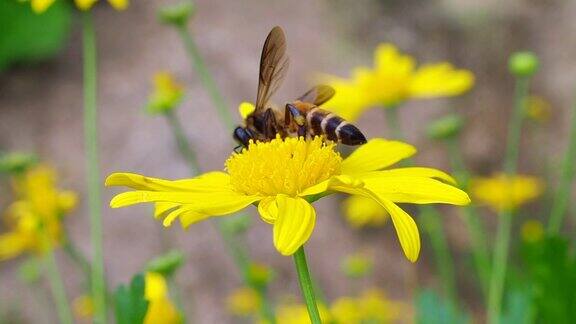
(177, 14)
(166, 264)
(259, 274)
(357, 265)
(523, 64)
(445, 127)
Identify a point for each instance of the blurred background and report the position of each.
(41, 112)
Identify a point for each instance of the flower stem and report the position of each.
(500, 257)
(183, 144)
(91, 142)
(477, 230)
(306, 285)
(562, 196)
(206, 78)
(431, 222)
(57, 288)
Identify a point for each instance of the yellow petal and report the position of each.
(377, 154)
(268, 209)
(294, 224)
(440, 80)
(246, 109)
(162, 208)
(12, 245)
(204, 182)
(189, 217)
(315, 189)
(416, 190)
(84, 4)
(39, 6)
(212, 203)
(119, 4)
(411, 172)
(389, 61)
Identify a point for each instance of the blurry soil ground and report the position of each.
(41, 111)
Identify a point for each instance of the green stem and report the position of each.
(206, 78)
(78, 258)
(91, 142)
(183, 144)
(306, 285)
(57, 288)
(562, 196)
(500, 258)
(431, 222)
(477, 230)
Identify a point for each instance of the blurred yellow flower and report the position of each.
(35, 218)
(260, 274)
(294, 313)
(501, 192)
(371, 306)
(532, 231)
(83, 307)
(394, 79)
(40, 6)
(538, 109)
(160, 307)
(167, 93)
(283, 174)
(243, 301)
(361, 212)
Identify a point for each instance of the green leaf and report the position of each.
(434, 309)
(27, 37)
(130, 302)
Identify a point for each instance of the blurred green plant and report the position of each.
(30, 38)
(130, 304)
(432, 308)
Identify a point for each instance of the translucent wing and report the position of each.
(318, 95)
(273, 66)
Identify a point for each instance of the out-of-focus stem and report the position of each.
(56, 284)
(475, 227)
(183, 144)
(500, 258)
(93, 170)
(206, 78)
(562, 197)
(306, 285)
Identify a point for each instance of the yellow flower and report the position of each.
(532, 231)
(160, 308)
(394, 79)
(284, 175)
(357, 265)
(83, 307)
(167, 94)
(501, 192)
(371, 306)
(40, 6)
(294, 313)
(35, 217)
(538, 109)
(243, 301)
(361, 212)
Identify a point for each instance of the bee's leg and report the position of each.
(293, 114)
(242, 136)
(270, 124)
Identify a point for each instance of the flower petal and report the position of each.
(268, 209)
(211, 203)
(416, 190)
(375, 155)
(162, 208)
(294, 224)
(139, 182)
(411, 172)
(440, 80)
(315, 189)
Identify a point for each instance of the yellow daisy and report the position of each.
(35, 218)
(394, 79)
(160, 307)
(372, 306)
(285, 175)
(502, 192)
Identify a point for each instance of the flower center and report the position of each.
(283, 166)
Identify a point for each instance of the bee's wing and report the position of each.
(318, 95)
(273, 66)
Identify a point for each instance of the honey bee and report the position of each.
(302, 117)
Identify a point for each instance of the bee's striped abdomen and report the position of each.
(335, 128)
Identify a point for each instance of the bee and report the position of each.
(302, 117)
